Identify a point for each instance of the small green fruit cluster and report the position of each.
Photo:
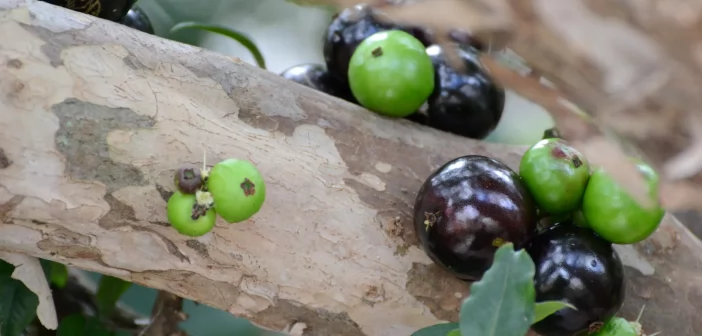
(560, 179)
(233, 189)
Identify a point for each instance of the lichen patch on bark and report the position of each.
(319, 322)
(165, 194)
(120, 214)
(4, 160)
(70, 244)
(7, 207)
(437, 289)
(82, 139)
(199, 247)
(14, 63)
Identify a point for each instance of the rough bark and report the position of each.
(95, 117)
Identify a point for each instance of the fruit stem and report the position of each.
(204, 172)
(641, 313)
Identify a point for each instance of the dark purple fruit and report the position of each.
(113, 10)
(348, 29)
(316, 77)
(465, 39)
(136, 18)
(467, 209)
(575, 265)
(467, 103)
(552, 133)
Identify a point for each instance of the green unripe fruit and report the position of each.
(237, 188)
(556, 174)
(186, 219)
(617, 326)
(614, 214)
(391, 74)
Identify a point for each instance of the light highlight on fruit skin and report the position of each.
(614, 214)
(227, 182)
(391, 74)
(179, 212)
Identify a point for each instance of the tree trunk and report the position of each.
(95, 118)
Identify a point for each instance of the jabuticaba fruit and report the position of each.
(113, 10)
(467, 209)
(575, 265)
(468, 103)
(348, 29)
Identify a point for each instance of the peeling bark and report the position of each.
(96, 117)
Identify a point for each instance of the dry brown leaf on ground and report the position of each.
(29, 271)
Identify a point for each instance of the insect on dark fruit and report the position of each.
(467, 209)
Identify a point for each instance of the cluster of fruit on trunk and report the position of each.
(397, 71)
(563, 213)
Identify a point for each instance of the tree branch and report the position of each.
(95, 118)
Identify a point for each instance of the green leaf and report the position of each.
(455, 332)
(109, 291)
(18, 305)
(502, 302)
(58, 274)
(79, 325)
(442, 329)
(325, 4)
(546, 308)
(226, 31)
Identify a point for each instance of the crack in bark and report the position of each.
(172, 248)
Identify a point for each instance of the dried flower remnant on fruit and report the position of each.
(188, 179)
(497, 242)
(199, 210)
(595, 327)
(377, 52)
(576, 161)
(248, 187)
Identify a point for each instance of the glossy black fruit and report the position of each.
(467, 103)
(574, 265)
(348, 29)
(136, 18)
(467, 209)
(552, 133)
(316, 77)
(465, 39)
(113, 10)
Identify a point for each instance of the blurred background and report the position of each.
(287, 35)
